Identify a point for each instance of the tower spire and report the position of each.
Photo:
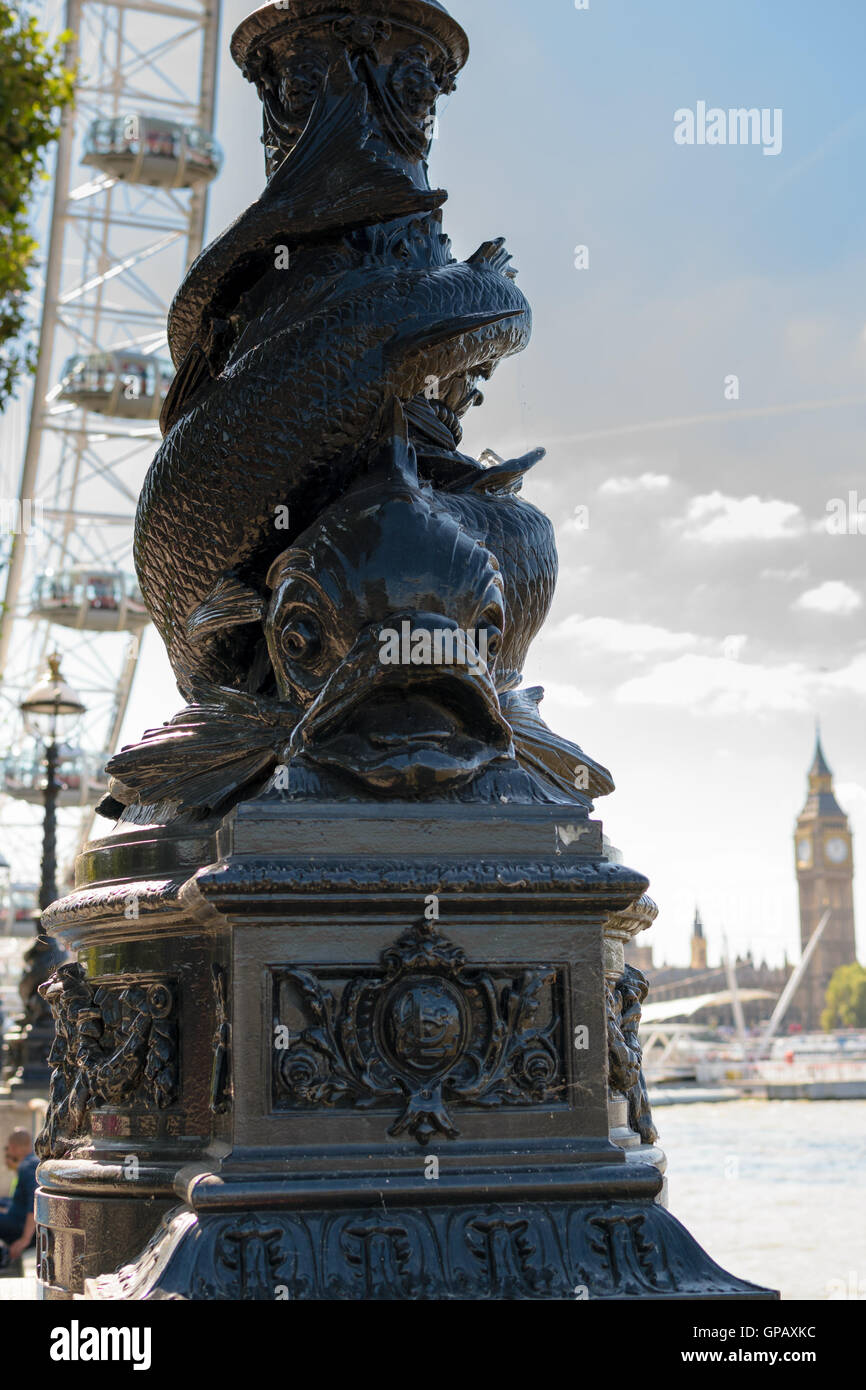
(820, 766)
(699, 944)
(825, 877)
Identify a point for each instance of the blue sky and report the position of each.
(705, 617)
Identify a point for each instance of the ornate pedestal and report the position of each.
(351, 1019)
(365, 1054)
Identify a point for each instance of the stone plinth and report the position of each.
(365, 1052)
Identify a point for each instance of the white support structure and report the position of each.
(736, 1005)
(116, 251)
(794, 983)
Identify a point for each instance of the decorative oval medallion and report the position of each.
(424, 1024)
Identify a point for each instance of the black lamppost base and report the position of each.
(476, 1250)
(365, 1053)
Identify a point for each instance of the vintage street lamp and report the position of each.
(51, 708)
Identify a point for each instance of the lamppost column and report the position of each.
(48, 887)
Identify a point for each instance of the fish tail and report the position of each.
(331, 176)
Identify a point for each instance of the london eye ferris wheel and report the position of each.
(122, 218)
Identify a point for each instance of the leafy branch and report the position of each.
(35, 88)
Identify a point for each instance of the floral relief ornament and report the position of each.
(430, 1034)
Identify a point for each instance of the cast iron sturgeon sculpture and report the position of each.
(326, 388)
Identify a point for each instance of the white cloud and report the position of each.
(712, 685)
(645, 482)
(851, 678)
(833, 597)
(719, 519)
(615, 636)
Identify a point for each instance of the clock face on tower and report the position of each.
(804, 852)
(837, 849)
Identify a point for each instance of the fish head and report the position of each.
(384, 626)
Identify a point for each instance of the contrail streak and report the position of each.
(711, 418)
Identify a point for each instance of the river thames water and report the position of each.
(775, 1191)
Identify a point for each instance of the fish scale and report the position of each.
(522, 539)
(198, 503)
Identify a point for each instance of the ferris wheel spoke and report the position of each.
(124, 221)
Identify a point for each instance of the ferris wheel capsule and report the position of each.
(89, 598)
(127, 385)
(81, 779)
(152, 150)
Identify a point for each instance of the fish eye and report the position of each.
(492, 622)
(494, 642)
(301, 638)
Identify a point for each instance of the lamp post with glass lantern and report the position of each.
(50, 708)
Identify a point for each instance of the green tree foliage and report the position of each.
(846, 999)
(34, 89)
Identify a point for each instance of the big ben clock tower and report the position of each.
(825, 873)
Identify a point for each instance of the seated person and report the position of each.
(17, 1218)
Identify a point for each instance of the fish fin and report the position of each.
(412, 339)
(230, 603)
(392, 457)
(393, 421)
(203, 757)
(553, 759)
(187, 785)
(505, 475)
(192, 373)
(331, 175)
(511, 679)
(493, 255)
